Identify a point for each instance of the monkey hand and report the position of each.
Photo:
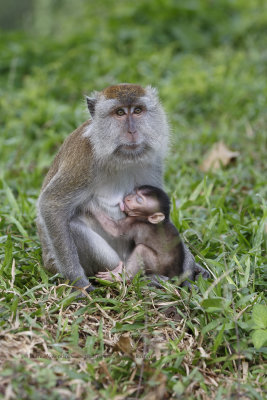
(114, 275)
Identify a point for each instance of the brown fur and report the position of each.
(72, 242)
(70, 238)
(74, 156)
(164, 242)
(159, 246)
(126, 93)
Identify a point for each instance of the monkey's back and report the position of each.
(171, 252)
(165, 242)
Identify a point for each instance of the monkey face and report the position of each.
(128, 121)
(129, 117)
(139, 205)
(128, 124)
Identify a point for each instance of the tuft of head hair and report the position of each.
(126, 93)
(160, 196)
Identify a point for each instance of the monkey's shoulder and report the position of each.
(149, 234)
(76, 147)
(171, 229)
(74, 158)
(143, 232)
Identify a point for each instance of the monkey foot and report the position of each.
(114, 275)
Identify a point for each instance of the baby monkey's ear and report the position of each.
(156, 218)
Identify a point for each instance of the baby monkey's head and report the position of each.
(147, 203)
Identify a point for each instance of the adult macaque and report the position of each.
(122, 147)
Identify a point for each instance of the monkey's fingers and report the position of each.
(109, 276)
(101, 274)
(118, 269)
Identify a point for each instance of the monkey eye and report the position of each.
(120, 112)
(138, 110)
(139, 199)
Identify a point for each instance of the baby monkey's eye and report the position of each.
(120, 112)
(138, 110)
(139, 199)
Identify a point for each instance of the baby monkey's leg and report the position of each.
(142, 257)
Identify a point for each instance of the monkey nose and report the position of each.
(132, 131)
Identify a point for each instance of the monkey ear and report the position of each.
(91, 102)
(156, 218)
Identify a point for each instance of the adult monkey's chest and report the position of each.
(106, 194)
(108, 190)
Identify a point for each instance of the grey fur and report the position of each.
(96, 179)
(90, 174)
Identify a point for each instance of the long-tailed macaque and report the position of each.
(120, 148)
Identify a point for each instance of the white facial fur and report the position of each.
(107, 133)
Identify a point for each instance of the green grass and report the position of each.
(131, 341)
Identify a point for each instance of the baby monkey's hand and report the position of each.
(114, 276)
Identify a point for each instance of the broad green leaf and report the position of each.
(259, 338)
(247, 272)
(259, 315)
(211, 326)
(213, 304)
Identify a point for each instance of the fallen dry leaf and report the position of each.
(219, 154)
(124, 344)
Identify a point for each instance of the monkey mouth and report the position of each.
(124, 208)
(132, 150)
(131, 146)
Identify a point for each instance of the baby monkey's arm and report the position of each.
(112, 227)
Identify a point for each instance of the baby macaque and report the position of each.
(158, 248)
